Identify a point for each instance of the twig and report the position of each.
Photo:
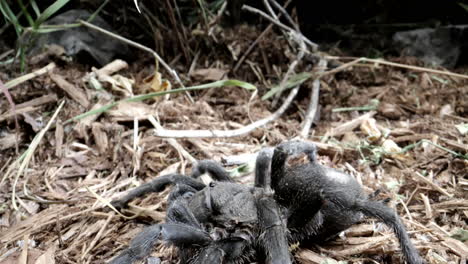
(270, 10)
(279, 24)
(29, 76)
(394, 64)
(137, 45)
(227, 133)
(30, 151)
(172, 141)
(291, 68)
(435, 186)
(313, 103)
(286, 15)
(247, 52)
(348, 126)
(98, 236)
(13, 109)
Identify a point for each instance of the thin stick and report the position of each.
(291, 68)
(286, 15)
(313, 103)
(139, 46)
(173, 142)
(30, 151)
(435, 186)
(279, 24)
(247, 52)
(394, 64)
(98, 236)
(228, 133)
(29, 76)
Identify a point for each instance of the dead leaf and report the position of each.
(47, 257)
(128, 111)
(211, 74)
(369, 126)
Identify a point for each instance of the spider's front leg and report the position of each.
(216, 171)
(182, 229)
(281, 154)
(273, 238)
(178, 234)
(263, 168)
(157, 185)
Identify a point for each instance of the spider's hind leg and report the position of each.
(387, 215)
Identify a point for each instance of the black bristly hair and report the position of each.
(322, 202)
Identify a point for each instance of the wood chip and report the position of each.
(75, 93)
(427, 206)
(11, 114)
(58, 139)
(306, 256)
(38, 101)
(100, 137)
(8, 140)
(350, 125)
(412, 138)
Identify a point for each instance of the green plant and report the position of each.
(35, 22)
(25, 34)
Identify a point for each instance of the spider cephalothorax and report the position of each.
(226, 222)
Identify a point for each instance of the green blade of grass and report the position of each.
(44, 29)
(51, 10)
(11, 17)
(26, 13)
(142, 97)
(36, 9)
(293, 81)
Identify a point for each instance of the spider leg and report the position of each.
(274, 232)
(157, 185)
(209, 255)
(224, 251)
(374, 194)
(281, 154)
(179, 212)
(175, 233)
(216, 171)
(180, 190)
(388, 216)
(263, 168)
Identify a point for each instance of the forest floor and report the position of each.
(59, 207)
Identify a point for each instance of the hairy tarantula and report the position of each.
(226, 222)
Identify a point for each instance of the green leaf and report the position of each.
(11, 17)
(50, 11)
(35, 8)
(44, 29)
(373, 104)
(26, 13)
(142, 97)
(465, 6)
(461, 234)
(293, 81)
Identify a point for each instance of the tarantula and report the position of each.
(226, 222)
